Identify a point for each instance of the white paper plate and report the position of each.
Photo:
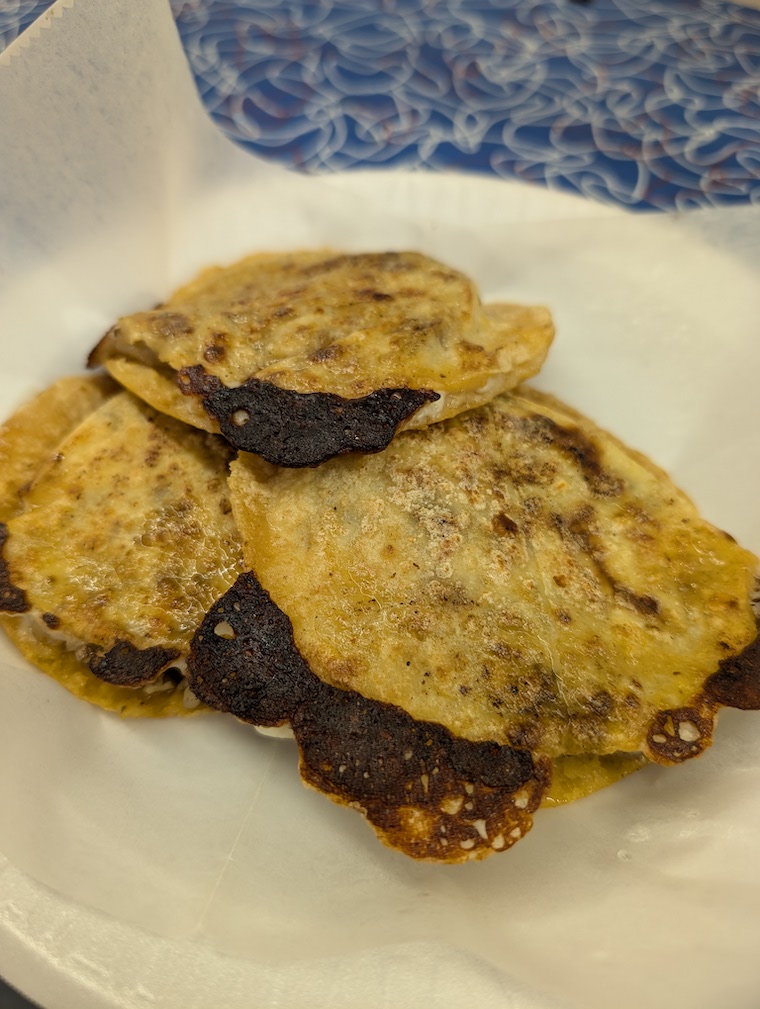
(182, 864)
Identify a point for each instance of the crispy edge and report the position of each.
(104, 678)
(56, 661)
(296, 429)
(736, 684)
(125, 665)
(157, 386)
(678, 734)
(284, 427)
(547, 401)
(426, 792)
(674, 734)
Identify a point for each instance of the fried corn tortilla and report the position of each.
(124, 541)
(515, 575)
(575, 777)
(28, 439)
(505, 610)
(303, 356)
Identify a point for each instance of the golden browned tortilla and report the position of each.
(515, 574)
(303, 356)
(124, 540)
(514, 577)
(576, 776)
(28, 439)
(28, 442)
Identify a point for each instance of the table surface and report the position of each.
(652, 106)
(649, 106)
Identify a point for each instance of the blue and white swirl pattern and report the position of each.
(648, 105)
(16, 16)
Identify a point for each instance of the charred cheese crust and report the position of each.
(425, 792)
(572, 778)
(165, 697)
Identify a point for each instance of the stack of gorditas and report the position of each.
(312, 492)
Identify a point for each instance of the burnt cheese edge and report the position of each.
(126, 665)
(297, 429)
(428, 793)
(677, 734)
(12, 598)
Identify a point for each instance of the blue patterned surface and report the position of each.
(645, 104)
(16, 16)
